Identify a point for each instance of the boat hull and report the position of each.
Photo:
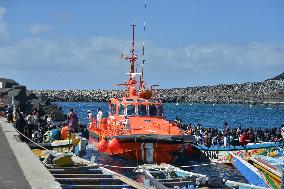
(252, 174)
(150, 151)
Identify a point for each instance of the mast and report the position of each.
(132, 58)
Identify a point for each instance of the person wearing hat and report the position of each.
(90, 116)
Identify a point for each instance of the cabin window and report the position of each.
(120, 109)
(129, 100)
(152, 110)
(113, 109)
(141, 100)
(130, 110)
(160, 110)
(142, 111)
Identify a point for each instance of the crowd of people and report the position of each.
(233, 136)
(33, 127)
(42, 129)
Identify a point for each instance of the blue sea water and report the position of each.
(207, 114)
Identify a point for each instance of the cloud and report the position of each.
(94, 62)
(3, 25)
(38, 28)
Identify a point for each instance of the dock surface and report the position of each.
(19, 167)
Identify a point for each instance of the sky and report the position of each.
(77, 44)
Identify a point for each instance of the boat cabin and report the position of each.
(135, 107)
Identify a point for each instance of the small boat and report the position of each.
(272, 168)
(251, 173)
(76, 144)
(249, 146)
(166, 176)
(260, 170)
(136, 128)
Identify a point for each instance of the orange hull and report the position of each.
(147, 152)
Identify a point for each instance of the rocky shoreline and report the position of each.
(266, 92)
(18, 96)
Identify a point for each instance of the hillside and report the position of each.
(279, 77)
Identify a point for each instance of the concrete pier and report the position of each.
(19, 167)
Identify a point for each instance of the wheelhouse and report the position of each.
(135, 107)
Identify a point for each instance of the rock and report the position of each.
(55, 112)
(25, 100)
(7, 83)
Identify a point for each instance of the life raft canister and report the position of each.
(102, 145)
(114, 145)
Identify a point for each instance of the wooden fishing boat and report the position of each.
(249, 146)
(251, 173)
(260, 170)
(136, 128)
(76, 144)
(271, 168)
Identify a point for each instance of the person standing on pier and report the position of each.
(72, 120)
(20, 123)
(30, 125)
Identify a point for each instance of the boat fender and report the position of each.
(113, 145)
(102, 145)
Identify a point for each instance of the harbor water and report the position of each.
(206, 114)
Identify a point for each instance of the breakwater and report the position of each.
(17, 96)
(266, 92)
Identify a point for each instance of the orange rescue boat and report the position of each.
(136, 128)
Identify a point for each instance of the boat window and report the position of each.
(120, 99)
(141, 100)
(129, 100)
(130, 110)
(152, 100)
(160, 110)
(142, 111)
(113, 109)
(152, 110)
(120, 109)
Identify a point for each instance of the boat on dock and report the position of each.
(136, 128)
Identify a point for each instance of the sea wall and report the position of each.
(266, 92)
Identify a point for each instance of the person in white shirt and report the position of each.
(99, 116)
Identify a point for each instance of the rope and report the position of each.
(185, 166)
(30, 139)
(198, 165)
